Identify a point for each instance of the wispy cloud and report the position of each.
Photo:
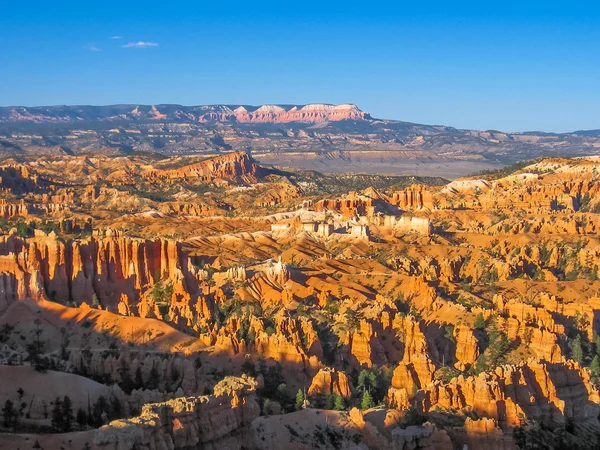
(92, 48)
(117, 37)
(140, 44)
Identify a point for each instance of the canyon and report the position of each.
(196, 301)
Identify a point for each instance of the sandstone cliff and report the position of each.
(212, 422)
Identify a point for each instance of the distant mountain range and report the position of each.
(313, 113)
(314, 136)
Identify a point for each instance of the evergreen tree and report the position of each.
(339, 403)
(9, 414)
(262, 364)
(597, 343)
(57, 415)
(367, 401)
(577, 350)
(498, 345)
(248, 368)
(35, 347)
(161, 293)
(328, 402)
(479, 322)
(139, 380)
(64, 343)
(90, 415)
(299, 400)
(413, 416)
(115, 408)
(101, 408)
(595, 367)
(81, 417)
(67, 413)
(126, 382)
(282, 395)
(367, 381)
(273, 378)
(266, 407)
(153, 379)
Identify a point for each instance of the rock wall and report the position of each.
(211, 422)
(549, 393)
(113, 268)
(231, 166)
(329, 381)
(413, 197)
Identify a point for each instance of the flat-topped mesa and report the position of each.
(308, 113)
(311, 113)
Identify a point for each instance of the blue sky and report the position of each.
(511, 66)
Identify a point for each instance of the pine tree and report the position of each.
(595, 367)
(35, 348)
(248, 368)
(9, 414)
(81, 418)
(282, 395)
(90, 415)
(367, 401)
(299, 400)
(479, 322)
(153, 379)
(339, 403)
(262, 364)
(64, 343)
(126, 382)
(100, 409)
(116, 410)
(57, 415)
(367, 381)
(577, 350)
(139, 380)
(266, 407)
(67, 413)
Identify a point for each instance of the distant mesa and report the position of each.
(311, 113)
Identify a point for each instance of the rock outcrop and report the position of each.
(330, 381)
(541, 391)
(213, 422)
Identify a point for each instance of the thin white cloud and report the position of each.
(117, 37)
(140, 44)
(92, 48)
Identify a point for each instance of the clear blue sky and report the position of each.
(506, 65)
